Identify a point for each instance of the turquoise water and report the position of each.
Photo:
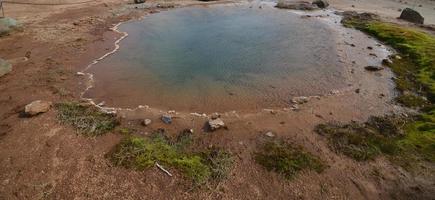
(218, 58)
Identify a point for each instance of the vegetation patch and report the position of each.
(393, 136)
(414, 68)
(88, 120)
(142, 153)
(287, 159)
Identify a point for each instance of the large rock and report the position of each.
(5, 67)
(37, 107)
(411, 15)
(321, 3)
(7, 25)
(296, 5)
(215, 124)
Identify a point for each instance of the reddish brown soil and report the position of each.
(42, 159)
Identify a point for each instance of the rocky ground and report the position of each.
(42, 158)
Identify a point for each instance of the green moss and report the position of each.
(287, 159)
(87, 119)
(411, 100)
(141, 153)
(417, 70)
(403, 140)
(415, 78)
(363, 141)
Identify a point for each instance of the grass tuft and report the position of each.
(87, 119)
(142, 153)
(287, 159)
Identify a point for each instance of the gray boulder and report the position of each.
(5, 67)
(411, 15)
(321, 3)
(37, 107)
(296, 5)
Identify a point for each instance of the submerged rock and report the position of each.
(296, 5)
(5, 67)
(321, 3)
(215, 124)
(37, 107)
(373, 68)
(411, 15)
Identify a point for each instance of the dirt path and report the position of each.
(42, 159)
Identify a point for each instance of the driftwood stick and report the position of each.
(163, 169)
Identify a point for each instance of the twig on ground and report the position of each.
(163, 169)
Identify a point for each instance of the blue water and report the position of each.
(218, 58)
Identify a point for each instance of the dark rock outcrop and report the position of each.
(321, 3)
(296, 5)
(411, 15)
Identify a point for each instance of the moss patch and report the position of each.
(396, 137)
(88, 120)
(141, 153)
(415, 79)
(287, 159)
(364, 141)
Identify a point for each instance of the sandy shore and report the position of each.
(40, 158)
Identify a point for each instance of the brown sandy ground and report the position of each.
(42, 159)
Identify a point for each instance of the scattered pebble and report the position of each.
(270, 134)
(146, 122)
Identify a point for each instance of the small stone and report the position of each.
(215, 116)
(334, 92)
(300, 100)
(101, 104)
(146, 122)
(386, 61)
(270, 134)
(321, 3)
(357, 91)
(167, 119)
(370, 48)
(215, 124)
(37, 107)
(373, 68)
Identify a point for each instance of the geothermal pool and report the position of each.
(218, 58)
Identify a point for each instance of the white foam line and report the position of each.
(90, 83)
